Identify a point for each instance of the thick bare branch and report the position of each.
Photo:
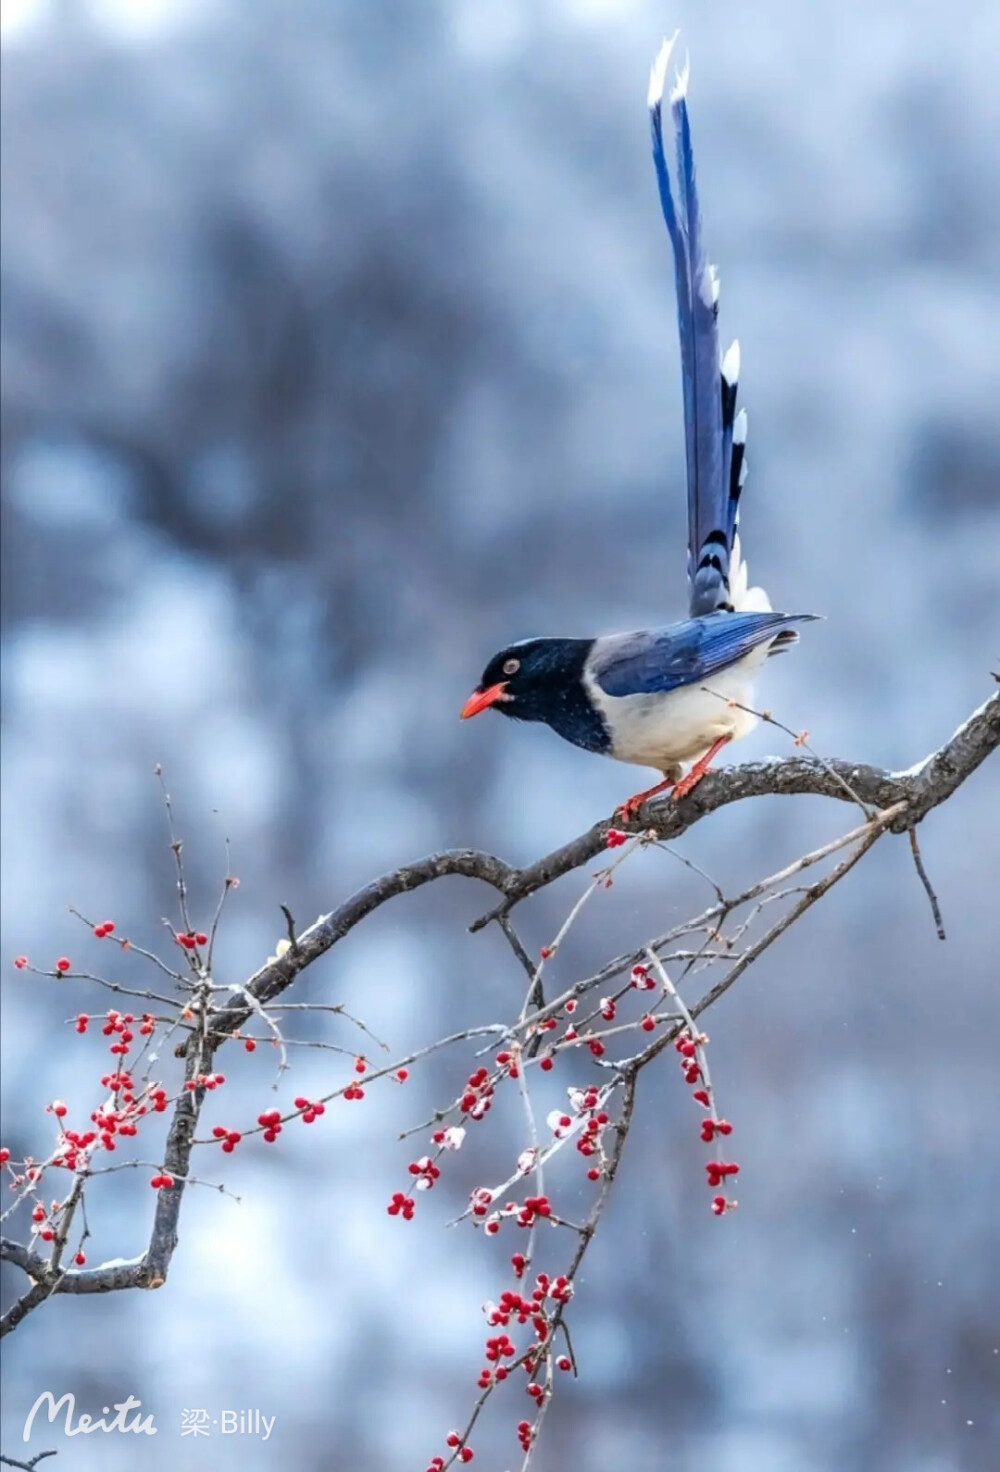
(901, 800)
(921, 788)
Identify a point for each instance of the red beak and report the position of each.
(481, 699)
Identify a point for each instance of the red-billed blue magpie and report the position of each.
(664, 697)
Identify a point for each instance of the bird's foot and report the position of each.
(701, 766)
(628, 810)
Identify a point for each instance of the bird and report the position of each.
(668, 696)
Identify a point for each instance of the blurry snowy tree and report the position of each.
(337, 348)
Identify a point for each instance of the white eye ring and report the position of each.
(511, 666)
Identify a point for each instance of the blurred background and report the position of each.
(339, 350)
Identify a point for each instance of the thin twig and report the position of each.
(928, 890)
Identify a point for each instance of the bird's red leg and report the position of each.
(627, 810)
(684, 786)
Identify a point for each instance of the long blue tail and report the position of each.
(714, 435)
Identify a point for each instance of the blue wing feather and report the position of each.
(658, 660)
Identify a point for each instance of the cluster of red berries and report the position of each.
(718, 1170)
(205, 1081)
(119, 1026)
(465, 1454)
(38, 1216)
(270, 1120)
(478, 1093)
(614, 838)
(162, 1181)
(426, 1172)
(690, 1066)
(480, 1200)
(310, 1110)
(119, 1115)
(590, 1139)
(401, 1205)
(500, 1345)
(513, 1305)
(105, 928)
(73, 1145)
(230, 1138)
(354, 1091)
(189, 939)
(524, 1435)
(689, 1046)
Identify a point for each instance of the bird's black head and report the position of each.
(542, 680)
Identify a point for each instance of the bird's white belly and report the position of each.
(664, 730)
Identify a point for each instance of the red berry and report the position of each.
(466, 1454)
(249, 1044)
(79, 1259)
(201, 938)
(62, 964)
(20, 962)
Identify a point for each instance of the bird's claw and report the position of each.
(628, 811)
(688, 783)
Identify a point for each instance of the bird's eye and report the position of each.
(511, 666)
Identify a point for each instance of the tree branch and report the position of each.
(921, 788)
(902, 800)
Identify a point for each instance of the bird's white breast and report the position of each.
(663, 730)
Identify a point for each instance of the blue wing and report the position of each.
(714, 478)
(684, 653)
